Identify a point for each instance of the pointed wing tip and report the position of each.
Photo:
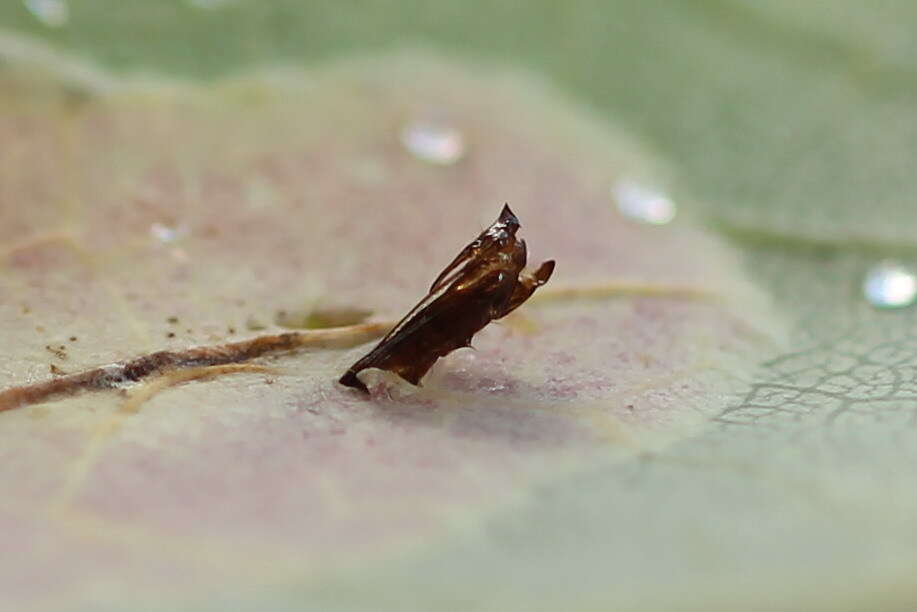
(349, 379)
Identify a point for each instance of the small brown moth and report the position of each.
(486, 281)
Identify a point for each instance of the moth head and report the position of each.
(503, 231)
(508, 220)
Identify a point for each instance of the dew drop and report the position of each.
(890, 284)
(166, 233)
(435, 142)
(52, 13)
(641, 203)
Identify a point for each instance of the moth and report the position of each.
(486, 281)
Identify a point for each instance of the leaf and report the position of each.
(163, 216)
(787, 127)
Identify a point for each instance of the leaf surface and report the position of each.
(785, 126)
(164, 216)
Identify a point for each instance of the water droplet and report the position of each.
(52, 13)
(890, 284)
(434, 141)
(166, 233)
(643, 204)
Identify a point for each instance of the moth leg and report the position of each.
(526, 286)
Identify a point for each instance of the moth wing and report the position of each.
(446, 296)
(389, 353)
(484, 243)
(469, 253)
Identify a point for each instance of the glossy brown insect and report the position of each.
(486, 281)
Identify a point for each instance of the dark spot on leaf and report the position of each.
(59, 352)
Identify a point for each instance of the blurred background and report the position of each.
(778, 115)
(789, 130)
